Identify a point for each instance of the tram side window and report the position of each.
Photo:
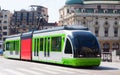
(41, 44)
(10, 45)
(16, 47)
(68, 47)
(7, 46)
(34, 47)
(37, 46)
(56, 43)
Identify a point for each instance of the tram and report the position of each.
(67, 45)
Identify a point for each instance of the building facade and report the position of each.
(102, 17)
(4, 25)
(25, 20)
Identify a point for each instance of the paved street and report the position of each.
(17, 67)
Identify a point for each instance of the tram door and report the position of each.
(26, 46)
(44, 53)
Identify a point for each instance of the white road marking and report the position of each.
(70, 70)
(14, 72)
(59, 70)
(30, 71)
(47, 71)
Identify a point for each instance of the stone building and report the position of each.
(4, 25)
(102, 17)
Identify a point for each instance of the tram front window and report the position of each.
(86, 45)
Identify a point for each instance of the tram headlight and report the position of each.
(81, 55)
(98, 55)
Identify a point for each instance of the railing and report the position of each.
(107, 56)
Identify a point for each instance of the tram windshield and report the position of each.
(86, 45)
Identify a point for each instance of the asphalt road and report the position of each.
(18, 67)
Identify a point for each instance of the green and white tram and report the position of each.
(67, 45)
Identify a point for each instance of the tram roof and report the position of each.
(66, 27)
(11, 36)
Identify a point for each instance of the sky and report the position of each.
(52, 5)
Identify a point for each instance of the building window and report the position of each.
(115, 46)
(106, 32)
(68, 11)
(0, 38)
(0, 21)
(110, 11)
(115, 11)
(106, 18)
(106, 23)
(100, 10)
(17, 20)
(0, 28)
(99, 6)
(0, 35)
(96, 23)
(84, 17)
(105, 11)
(5, 21)
(115, 18)
(4, 33)
(97, 31)
(0, 46)
(116, 23)
(84, 23)
(5, 16)
(89, 10)
(95, 11)
(1, 16)
(118, 11)
(96, 18)
(106, 47)
(61, 16)
(106, 28)
(83, 10)
(5, 27)
(4, 39)
(116, 32)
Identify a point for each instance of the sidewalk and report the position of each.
(111, 64)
